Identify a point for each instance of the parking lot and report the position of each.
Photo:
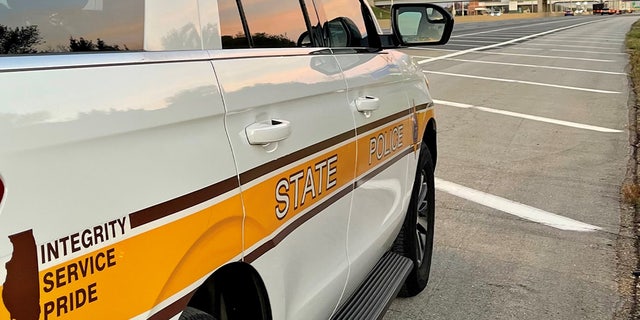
(533, 150)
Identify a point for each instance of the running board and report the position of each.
(373, 297)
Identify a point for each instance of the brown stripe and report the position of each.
(382, 167)
(264, 248)
(172, 206)
(259, 171)
(271, 166)
(383, 121)
(423, 106)
(179, 305)
(174, 308)
(176, 205)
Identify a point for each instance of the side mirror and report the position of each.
(421, 24)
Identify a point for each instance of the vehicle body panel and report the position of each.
(307, 91)
(150, 132)
(387, 152)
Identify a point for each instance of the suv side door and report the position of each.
(376, 85)
(294, 145)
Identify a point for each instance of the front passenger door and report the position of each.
(376, 98)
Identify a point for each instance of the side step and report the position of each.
(373, 297)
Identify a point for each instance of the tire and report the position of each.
(191, 313)
(415, 240)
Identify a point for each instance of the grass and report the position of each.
(383, 13)
(633, 36)
(631, 191)
(633, 46)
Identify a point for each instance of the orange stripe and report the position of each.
(137, 273)
(262, 219)
(383, 144)
(151, 267)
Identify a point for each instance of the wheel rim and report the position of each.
(421, 228)
(423, 201)
(421, 239)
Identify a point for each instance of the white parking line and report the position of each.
(522, 82)
(517, 209)
(487, 37)
(508, 28)
(465, 40)
(531, 43)
(528, 116)
(576, 41)
(607, 36)
(537, 66)
(564, 50)
(455, 54)
(446, 56)
(516, 33)
(569, 38)
(460, 45)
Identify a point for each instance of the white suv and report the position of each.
(229, 159)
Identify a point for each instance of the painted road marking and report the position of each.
(577, 41)
(528, 117)
(465, 40)
(565, 50)
(517, 209)
(509, 28)
(522, 82)
(446, 56)
(490, 37)
(568, 37)
(532, 43)
(455, 54)
(537, 66)
(455, 44)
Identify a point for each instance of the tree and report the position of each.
(80, 45)
(260, 40)
(19, 40)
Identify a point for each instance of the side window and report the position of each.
(231, 29)
(58, 26)
(271, 24)
(344, 25)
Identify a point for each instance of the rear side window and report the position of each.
(270, 23)
(232, 30)
(65, 26)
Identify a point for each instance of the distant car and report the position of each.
(488, 12)
(568, 13)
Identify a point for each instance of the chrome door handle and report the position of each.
(262, 133)
(367, 104)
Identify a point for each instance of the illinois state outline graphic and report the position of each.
(21, 289)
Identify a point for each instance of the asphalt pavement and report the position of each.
(533, 150)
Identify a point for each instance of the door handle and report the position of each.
(262, 133)
(367, 104)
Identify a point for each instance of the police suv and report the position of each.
(213, 159)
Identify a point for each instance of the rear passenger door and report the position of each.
(376, 85)
(293, 141)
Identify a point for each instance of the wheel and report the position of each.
(415, 240)
(191, 313)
